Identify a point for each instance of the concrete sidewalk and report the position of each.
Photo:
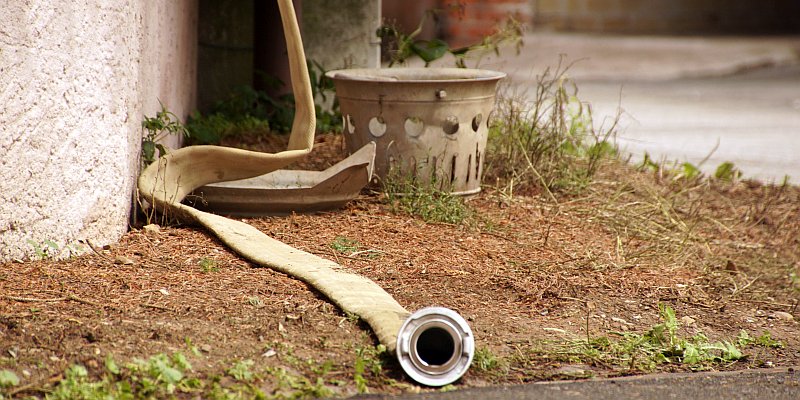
(643, 58)
(705, 100)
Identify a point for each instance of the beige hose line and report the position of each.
(167, 181)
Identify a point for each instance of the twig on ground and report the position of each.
(70, 296)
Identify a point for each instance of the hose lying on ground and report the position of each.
(434, 345)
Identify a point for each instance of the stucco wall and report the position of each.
(75, 80)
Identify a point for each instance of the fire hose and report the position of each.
(434, 345)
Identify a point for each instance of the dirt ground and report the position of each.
(526, 273)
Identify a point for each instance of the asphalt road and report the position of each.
(774, 384)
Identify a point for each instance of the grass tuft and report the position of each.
(546, 140)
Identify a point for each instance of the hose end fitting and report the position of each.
(435, 346)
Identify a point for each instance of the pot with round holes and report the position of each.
(429, 123)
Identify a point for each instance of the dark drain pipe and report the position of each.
(435, 346)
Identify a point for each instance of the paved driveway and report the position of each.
(684, 98)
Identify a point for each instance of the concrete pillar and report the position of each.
(76, 79)
(341, 34)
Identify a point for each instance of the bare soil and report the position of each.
(525, 272)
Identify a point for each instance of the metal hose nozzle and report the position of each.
(435, 346)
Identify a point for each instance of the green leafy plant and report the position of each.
(49, 249)
(77, 385)
(661, 344)
(401, 46)
(687, 171)
(484, 360)
(368, 363)
(160, 375)
(764, 340)
(293, 386)
(727, 171)
(244, 110)
(241, 370)
(344, 245)
(208, 265)
(8, 379)
(155, 129)
(44, 250)
(172, 376)
(247, 110)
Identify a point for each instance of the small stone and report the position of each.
(783, 316)
(151, 230)
(619, 320)
(122, 260)
(164, 291)
(571, 371)
(269, 353)
(688, 321)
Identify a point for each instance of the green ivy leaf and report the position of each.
(430, 50)
(148, 151)
(691, 355)
(111, 366)
(8, 378)
(727, 172)
(731, 352)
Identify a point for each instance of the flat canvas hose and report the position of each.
(434, 345)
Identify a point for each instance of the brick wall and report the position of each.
(668, 16)
(469, 21)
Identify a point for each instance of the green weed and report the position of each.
(247, 110)
(727, 172)
(368, 364)
(661, 344)
(8, 379)
(44, 250)
(155, 129)
(344, 245)
(687, 171)
(291, 386)
(484, 360)
(172, 376)
(208, 265)
(425, 199)
(241, 371)
(548, 142)
(764, 340)
(49, 249)
(157, 377)
(399, 46)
